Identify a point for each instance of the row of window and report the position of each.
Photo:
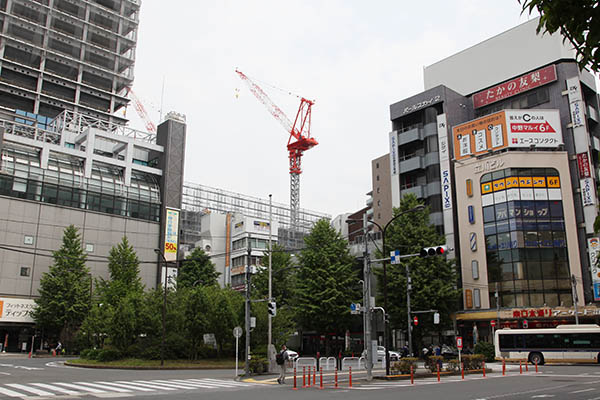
(255, 243)
(525, 239)
(554, 298)
(78, 198)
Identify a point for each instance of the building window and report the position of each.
(377, 178)
(476, 298)
(27, 239)
(378, 190)
(475, 269)
(377, 165)
(25, 271)
(89, 247)
(525, 237)
(378, 203)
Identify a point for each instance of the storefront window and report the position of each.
(525, 237)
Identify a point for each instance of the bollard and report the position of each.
(295, 387)
(29, 354)
(462, 370)
(336, 381)
(438, 371)
(412, 377)
(483, 365)
(321, 370)
(520, 367)
(503, 367)
(350, 377)
(536, 370)
(526, 367)
(314, 376)
(303, 377)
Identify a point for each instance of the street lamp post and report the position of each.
(164, 311)
(385, 291)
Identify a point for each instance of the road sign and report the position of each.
(493, 323)
(459, 344)
(525, 324)
(416, 320)
(237, 332)
(355, 308)
(395, 257)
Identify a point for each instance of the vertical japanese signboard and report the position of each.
(171, 234)
(594, 252)
(444, 151)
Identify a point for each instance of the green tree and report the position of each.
(197, 269)
(196, 319)
(283, 276)
(64, 300)
(434, 279)
(326, 282)
(578, 21)
(224, 313)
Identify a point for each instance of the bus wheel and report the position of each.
(536, 358)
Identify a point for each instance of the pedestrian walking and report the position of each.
(281, 359)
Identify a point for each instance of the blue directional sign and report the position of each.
(395, 257)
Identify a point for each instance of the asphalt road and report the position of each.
(24, 378)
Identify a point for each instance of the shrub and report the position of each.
(487, 349)
(432, 362)
(106, 355)
(258, 364)
(90, 354)
(403, 366)
(453, 365)
(474, 361)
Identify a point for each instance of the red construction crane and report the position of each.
(298, 142)
(141, 111)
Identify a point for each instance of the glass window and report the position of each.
(475, 269)
(488, 214)
(489, 228)
(476, 298)
(507, 271)
(501, 212)
(556, 209)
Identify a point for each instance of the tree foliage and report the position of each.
(197, 269)
(283, 276)
(64, 299)
(578, 21)
(327, 284)
(434, 279)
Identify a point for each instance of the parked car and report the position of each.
(449, 352)
(292, 355)
(394, 355)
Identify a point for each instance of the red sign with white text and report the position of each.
(459, 342)
(584, 165)
(515, 86)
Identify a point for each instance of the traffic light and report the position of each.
(433, 251)
(272, 308)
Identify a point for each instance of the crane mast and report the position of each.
(298, 142)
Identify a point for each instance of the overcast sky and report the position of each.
(354, 58)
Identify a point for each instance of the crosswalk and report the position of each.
(374, 385)
(107, 389)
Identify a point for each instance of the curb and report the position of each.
(140, 367)
(424, 375)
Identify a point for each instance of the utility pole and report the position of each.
(367, 301)
(408, 319)
(575, 298)
(247, 363)
(270, 331)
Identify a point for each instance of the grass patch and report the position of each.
(139, 363)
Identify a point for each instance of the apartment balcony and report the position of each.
(415, 133)
(592, 114)
(415, 161)
(417, 190)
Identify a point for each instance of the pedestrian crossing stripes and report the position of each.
(428, 381)
(116, 388)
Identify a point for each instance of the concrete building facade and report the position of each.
(505, 154)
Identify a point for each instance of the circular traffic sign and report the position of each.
(237, 332)
(416, 320)
(493, 323)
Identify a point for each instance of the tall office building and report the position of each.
(503, 145)
(71, 55)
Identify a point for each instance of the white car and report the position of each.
(394, 355)
(292, 354)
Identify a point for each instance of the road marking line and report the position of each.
(56, 389)
(583, 390)
(149, 384)
(73, 386)
(104, 387)
(39, 392)
(129, 386)
(197, 384)
(173, 384)
(11, 393)
(221, 381)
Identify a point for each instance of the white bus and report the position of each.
(565, 343)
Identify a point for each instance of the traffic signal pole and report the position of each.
(409, 326)
(367, 302)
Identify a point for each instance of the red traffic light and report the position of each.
(416, 320)
(433, 251)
